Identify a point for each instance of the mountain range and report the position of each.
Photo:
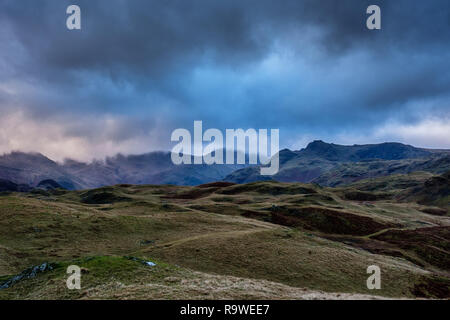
(150, 168)
(331, 164)
(261, 240)
(323, 163)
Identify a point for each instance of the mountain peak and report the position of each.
(17, 157)
(318, 145)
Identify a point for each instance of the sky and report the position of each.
(138, 69)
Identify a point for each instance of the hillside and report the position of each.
(223, 240)
(346, 173)
(433, 191)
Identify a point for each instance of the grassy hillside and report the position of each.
(220, 240)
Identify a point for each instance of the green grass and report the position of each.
(96, 272)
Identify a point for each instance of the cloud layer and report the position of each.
(139, 69)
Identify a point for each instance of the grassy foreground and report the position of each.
(263, 240)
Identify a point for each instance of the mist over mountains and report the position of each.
(149, 168)
(322, 163)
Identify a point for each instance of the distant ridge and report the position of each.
(382, 151)
(331, 164)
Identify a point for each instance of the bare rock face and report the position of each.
(30, 273)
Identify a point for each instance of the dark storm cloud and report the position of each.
(152, 37)
(307, 65)
(131, 37)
